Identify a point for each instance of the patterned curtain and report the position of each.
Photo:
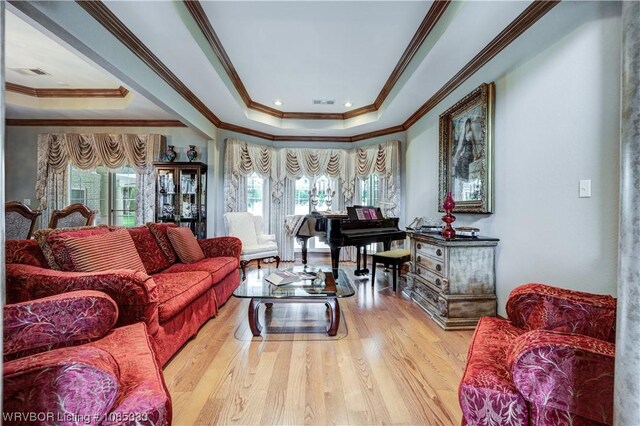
(87, 151)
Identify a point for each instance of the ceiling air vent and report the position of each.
(323, 102)
(30, 71)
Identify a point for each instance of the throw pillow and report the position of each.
(159, 231)
(185, 245)
(104, 252)
(52, 243)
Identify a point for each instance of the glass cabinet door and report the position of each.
(166, 190)
(189, 197)
(202, 231)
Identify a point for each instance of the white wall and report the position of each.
(556, 122)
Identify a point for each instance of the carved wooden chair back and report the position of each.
(19, 220)
(72, 216)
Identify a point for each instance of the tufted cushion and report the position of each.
(159, 231)
(153, 258)
(114, 250)
(185, 245)
(52, 243)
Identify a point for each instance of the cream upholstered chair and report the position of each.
(256, 245)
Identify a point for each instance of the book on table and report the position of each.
(282, 277)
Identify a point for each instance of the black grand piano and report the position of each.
(361, 226)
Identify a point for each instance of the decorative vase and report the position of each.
(192, 154)
(170, 154)
(448, 232)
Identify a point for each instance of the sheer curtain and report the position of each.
(56, 151)
(283, 166)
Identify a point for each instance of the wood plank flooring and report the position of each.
(395, 366)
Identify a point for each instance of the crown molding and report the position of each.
(93, 123)
(106, 18)
(120, 92)
(111, 23)
(526, 19)
(430, 20)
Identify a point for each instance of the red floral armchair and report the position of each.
(551, 363)
(51, 376)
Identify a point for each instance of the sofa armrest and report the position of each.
(221, 247)
(64, 319)
(567, 372)
(540, 306)
(78, 381)
(266, 238)
(134, 292)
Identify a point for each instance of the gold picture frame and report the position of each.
(466, 152)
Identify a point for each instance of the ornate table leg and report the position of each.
(334, 316)
(254, 323)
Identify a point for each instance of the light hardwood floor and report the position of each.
(395, 366)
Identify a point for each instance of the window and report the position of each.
(255, 186)
(370, 190)
(123, 194)
(110, 192)
(304, 203)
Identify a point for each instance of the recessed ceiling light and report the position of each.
(277, 102)
(348, 104)
(62, 83)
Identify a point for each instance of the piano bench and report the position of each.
(393, 258)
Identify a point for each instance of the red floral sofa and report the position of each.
(550, 363)
(173, 299)
(48, 378)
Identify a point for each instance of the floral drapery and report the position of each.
(87, 151)
(282, 166)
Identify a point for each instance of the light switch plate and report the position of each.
(27, 202)
(585, 188)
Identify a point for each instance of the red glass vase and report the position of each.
(448, 205)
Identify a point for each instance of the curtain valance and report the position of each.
(57, 151)
(243, 159)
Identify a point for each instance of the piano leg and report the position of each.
(361, 271)
(303, 243)
(365, 270)
(335, 260)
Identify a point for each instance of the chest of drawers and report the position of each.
(453, 280)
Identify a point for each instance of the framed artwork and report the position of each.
(466, 152)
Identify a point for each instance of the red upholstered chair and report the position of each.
(52, 376)
(550, 363)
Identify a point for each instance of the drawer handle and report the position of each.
(419, 246)
(419, 258)
(419, 271)
(439, 252)
(438, 268)
(438, 282)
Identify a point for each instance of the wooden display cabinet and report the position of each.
(181, 195)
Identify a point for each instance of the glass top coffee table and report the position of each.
(259, 290)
